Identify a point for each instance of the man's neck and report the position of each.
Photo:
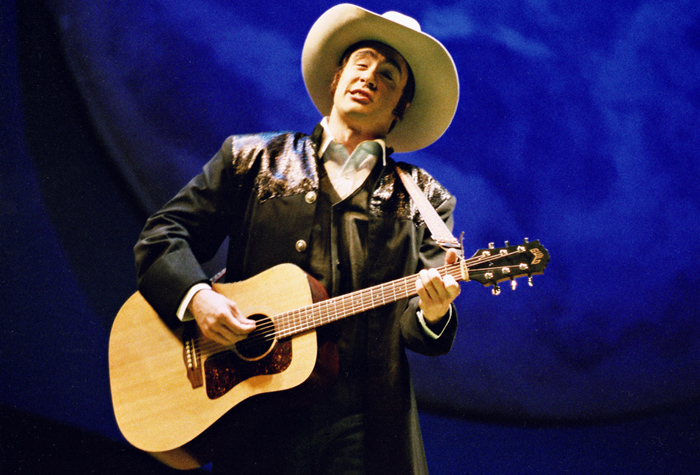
(325, 136)
(347, 135)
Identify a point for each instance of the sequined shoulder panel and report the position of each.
(391, 198)
(285, 162)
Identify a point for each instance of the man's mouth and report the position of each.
(361, 95)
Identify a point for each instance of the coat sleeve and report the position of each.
(431, 255)
(187, 231)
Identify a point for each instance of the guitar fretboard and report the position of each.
(327, 311)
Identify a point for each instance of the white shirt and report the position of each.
(344, 180)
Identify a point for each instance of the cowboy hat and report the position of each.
(437, 87)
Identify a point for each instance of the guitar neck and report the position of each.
(487, 266)
(327, 311)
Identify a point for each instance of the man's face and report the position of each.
(369, 89)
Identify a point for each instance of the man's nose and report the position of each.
(369, 79)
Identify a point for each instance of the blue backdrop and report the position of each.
(578, 125)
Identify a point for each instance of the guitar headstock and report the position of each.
(495, 265)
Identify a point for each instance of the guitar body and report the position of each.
(161, 406)
(170, 385)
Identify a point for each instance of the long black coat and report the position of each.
(259, 191)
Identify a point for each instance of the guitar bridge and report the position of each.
(192, 359)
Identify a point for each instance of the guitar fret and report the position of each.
(327, 311)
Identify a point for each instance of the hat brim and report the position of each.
(437, 86)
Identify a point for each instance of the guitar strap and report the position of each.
(438, 228)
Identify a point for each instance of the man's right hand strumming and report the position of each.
(219, 318)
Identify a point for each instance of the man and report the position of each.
(340, 213)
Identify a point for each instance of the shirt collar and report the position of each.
(327, 137)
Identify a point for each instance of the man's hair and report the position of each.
(408, 90)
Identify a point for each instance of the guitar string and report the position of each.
(245, 344)
(357, 302)
(211, 349)
(365, 302)
(271, 335)
(265, 333)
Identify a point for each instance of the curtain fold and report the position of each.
(578, 126)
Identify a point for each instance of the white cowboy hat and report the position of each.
(437, 86)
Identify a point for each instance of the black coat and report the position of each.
(259, 191)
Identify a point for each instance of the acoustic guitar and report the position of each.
(169, 385)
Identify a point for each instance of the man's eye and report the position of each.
(389, 76)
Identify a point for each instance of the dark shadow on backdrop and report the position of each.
(87, 200)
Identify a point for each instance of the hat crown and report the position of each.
(402, 19)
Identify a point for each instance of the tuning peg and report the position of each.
(529, 281)
(526, 240)
(507, 243)
(496, 289)
(513, 284)
(492, 245)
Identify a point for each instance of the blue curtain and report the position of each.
(578, 125)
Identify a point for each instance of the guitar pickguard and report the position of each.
(223, 371)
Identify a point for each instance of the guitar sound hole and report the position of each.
(260, 341)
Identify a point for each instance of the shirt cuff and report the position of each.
(427, 329)
(182, 312)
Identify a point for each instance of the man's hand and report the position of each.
(437, 293)
(219, 318)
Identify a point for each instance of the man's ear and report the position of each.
(398, 115)
(400, 109)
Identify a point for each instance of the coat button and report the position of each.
(310, 197)
(301, 245)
